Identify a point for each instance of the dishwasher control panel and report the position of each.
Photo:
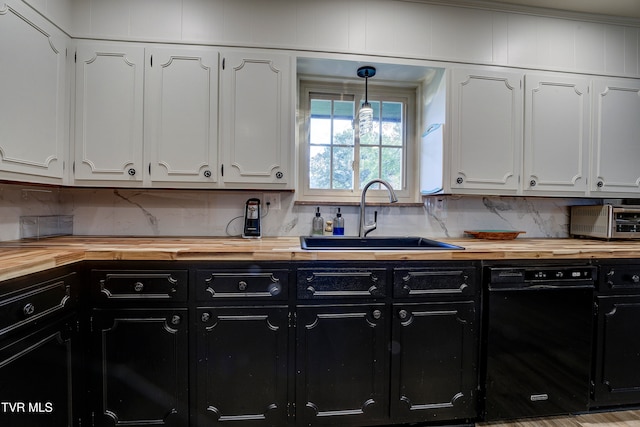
(551, 275)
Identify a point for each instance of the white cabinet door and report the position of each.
(33, 122)
(486, 131)
(108, 131)
(556, 138)
(257, 119)
(616, 140)
(181, 115)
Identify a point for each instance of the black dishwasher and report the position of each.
(538, 340)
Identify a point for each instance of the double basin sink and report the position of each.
(372, 243)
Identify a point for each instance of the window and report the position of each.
(338, 162)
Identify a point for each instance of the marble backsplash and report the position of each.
(122, 212)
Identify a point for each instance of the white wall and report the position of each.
(393, 28)
(203, 213)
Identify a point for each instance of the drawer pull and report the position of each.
(275, 289)
(28, 309)
(138, 287)
(205, 317)
(377, 314)
(635, 278)
(242, 285)
(175, 319)
(402, 314)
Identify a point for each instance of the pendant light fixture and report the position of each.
(365, 115)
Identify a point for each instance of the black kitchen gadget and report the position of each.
(252, 229)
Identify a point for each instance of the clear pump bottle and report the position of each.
(317, 225)
(338, 224)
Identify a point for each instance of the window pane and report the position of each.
(342, 168)
(392, 123)
(392, 166)
(320, 131)
(343, 122)
(320, 167)
(320, 123)
(369, 165)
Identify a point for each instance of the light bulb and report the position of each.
(365, 119)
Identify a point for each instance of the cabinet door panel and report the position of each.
(616, 152)
(242, 366)
(181, 107)
(257, 118)
(140, 367)
(486, 130)
(556, 134)
(341, 358)
(32, 83)
(109, 90)
(617, 376)
(434, 362)
(36, 378)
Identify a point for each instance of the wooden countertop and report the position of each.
(21, 258)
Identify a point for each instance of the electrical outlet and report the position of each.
(273, 199)
(437, 206)
(440, 208)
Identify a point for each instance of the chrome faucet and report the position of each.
(364, 227)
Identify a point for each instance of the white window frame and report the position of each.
(388, 92)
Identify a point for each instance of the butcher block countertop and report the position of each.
(19, 258)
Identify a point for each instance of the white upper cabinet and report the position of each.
(109, 107)
(616, 140)
(486, 131)
(556, 136)
(257, 119)
(181, 115)
(33, 92)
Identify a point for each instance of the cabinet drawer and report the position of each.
(341, 282)
(140, 284)
(620, 278)
(29, 305)
(408, 282)
(272, 284)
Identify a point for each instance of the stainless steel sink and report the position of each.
(369, 243)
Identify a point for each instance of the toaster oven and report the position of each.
(605, 221)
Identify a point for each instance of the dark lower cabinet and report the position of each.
(242, 360)
(434, 354)
(341, 365)
(617, 373)
(139, 367)
(37, 379)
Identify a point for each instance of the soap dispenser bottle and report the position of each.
(338, 224)
(317, 225)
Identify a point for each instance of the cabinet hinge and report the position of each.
(222, 169)
(592, 388)
(91, 330)
(292, 319)
(595, 308)
(151, 60)
(75, 57)
(223, 62)
(149, 168)
(291, 409)
(74, 166)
